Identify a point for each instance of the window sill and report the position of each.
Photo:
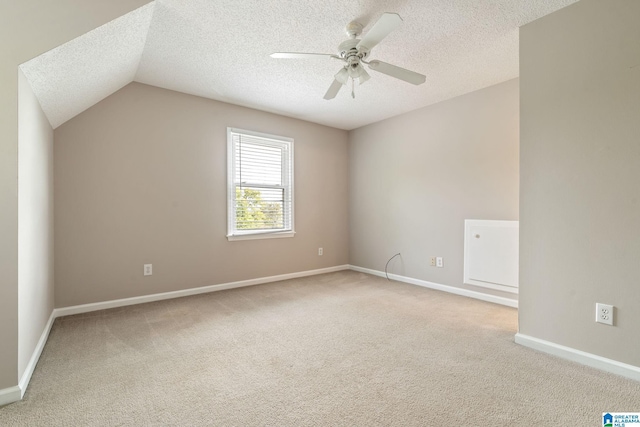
(256, 236)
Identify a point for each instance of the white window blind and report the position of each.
(260, 185)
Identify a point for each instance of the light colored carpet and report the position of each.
(340, 349)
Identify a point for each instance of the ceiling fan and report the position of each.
(354, 53)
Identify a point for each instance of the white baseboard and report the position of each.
(584, 358)
(15, 393)
(445, 288)
(10, 395)
(31, 366)
(85, 308)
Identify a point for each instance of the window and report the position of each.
(259, 185)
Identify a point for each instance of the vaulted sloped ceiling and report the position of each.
(76, 75)
(219, 49)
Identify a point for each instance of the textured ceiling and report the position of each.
(76, 75)
(220, 49)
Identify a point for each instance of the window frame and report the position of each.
(287, 171)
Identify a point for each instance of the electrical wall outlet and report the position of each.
(320, 251)
(148, 269)
(439, 262)
(433, 261)
(604, 314)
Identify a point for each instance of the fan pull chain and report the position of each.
(353, 90)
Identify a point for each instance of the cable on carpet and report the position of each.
(387, 264)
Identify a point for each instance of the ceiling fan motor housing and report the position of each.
(348, 50)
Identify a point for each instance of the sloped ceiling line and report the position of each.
(80, 73)
(219, 49)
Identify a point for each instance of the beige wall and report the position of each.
(56, 23)
(141, 178)
(415, 178)
(35, 222)
(580, 170)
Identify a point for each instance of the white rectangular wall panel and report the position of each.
(491, 254)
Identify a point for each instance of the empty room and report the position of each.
(277, 213)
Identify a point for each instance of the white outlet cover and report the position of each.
(148, 269)
(439, 262)
(604, 314)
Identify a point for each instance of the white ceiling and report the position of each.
(219, 49)
(76, 75)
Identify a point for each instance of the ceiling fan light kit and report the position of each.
(342, 76)
(354, 52)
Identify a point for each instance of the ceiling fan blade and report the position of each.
(299, 55)
(397, 72)
(333, 90)
(381, 29)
